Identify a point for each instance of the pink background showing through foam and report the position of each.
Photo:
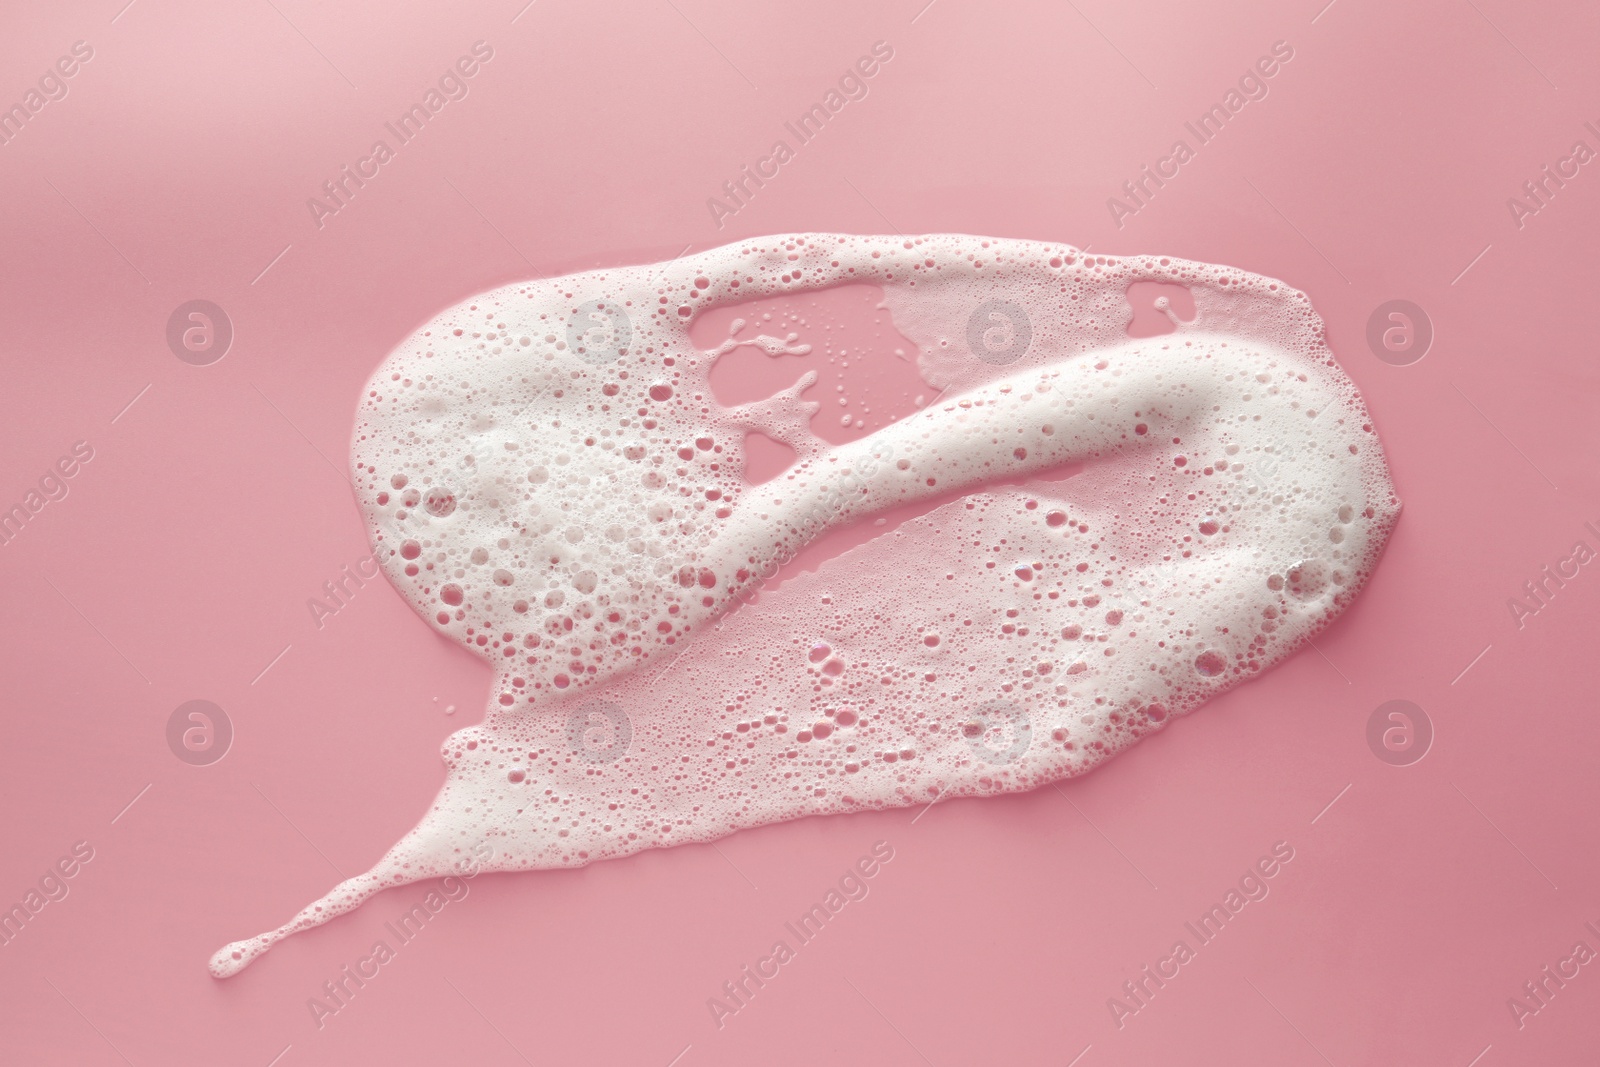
(179, 565)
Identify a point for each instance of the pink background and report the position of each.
(180, 563)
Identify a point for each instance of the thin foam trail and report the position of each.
(548, 479)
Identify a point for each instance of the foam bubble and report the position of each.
(548, 479)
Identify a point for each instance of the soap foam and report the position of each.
(548, 479)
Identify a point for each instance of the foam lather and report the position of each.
(547, 479)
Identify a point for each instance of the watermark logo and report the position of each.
(999, 332)
(199, 332)
(1399, 733)
(199, 732)
(1269, 469)
(599, 731)
(1399, 332)
(599, 332)
(998, 732)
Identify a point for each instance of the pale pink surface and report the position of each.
(207, 518)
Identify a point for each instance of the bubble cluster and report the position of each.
(548, 479)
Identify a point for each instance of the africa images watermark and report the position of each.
(1538, 192)
(1252, 886)
(339, 991)
(53, 887)
(51, 86)
(348, 584)
(1538, 992)
(852, 85)
(453, 84)
(1252, 85)
(1539, 591)
(53, 486)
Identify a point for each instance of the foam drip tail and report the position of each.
(343, 898)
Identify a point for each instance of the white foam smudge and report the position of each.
(547, 478)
